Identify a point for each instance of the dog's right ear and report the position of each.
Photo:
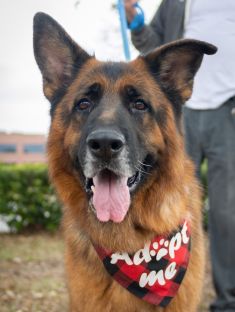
(57, 55)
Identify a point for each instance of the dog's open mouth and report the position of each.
(110, 194)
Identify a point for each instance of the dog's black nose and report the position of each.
(105, 143)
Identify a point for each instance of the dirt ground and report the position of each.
(32, 275)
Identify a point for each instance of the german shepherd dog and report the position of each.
(117, 159)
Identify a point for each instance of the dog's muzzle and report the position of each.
(111, 174)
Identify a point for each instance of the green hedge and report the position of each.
(204, 168)
(27, 200)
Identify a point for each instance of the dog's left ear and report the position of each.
(57, 55)
(174, 65)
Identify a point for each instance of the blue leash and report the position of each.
(137, 23)
(122, 15)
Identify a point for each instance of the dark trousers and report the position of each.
(211, 134)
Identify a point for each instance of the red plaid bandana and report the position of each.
(155, 272)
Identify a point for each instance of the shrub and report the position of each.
(204, 168)
(27, 200)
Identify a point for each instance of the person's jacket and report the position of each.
(167, 25)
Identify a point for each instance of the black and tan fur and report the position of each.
(142, 101)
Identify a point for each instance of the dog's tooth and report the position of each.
(93, 189)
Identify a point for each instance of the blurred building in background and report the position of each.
(22, 148)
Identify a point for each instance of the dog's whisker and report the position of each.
(144, 164)
(141, 170)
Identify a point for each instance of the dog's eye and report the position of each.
(139, 105)
(83, 104)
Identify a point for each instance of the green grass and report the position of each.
(31, 248)
(32, 273)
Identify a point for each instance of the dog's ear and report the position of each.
(174, 65)
(57, 55)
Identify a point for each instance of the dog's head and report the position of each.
(114, 124)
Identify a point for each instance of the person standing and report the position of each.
(209, 116)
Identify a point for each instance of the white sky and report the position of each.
(92, 24)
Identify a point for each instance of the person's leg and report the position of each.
(220, 152)
(192, 136)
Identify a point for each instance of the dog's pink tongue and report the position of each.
(111, 197)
